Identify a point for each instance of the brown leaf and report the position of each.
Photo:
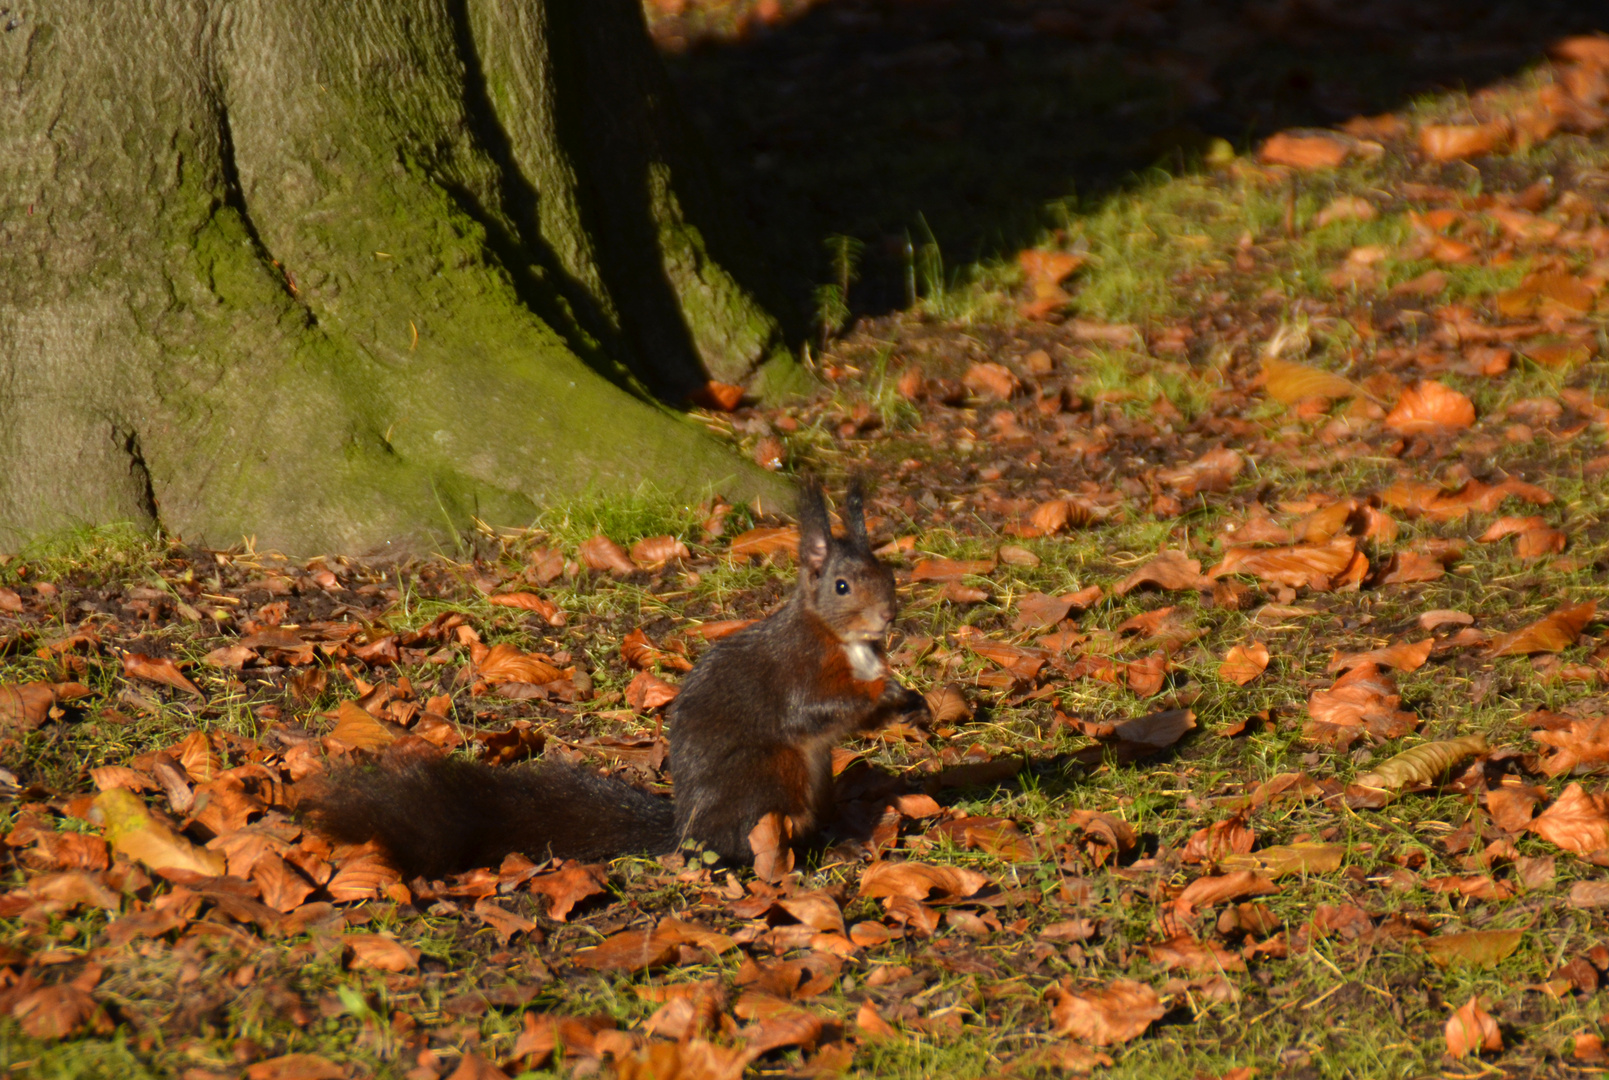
(504, 923)
(1303, 858)
(1363, 698)
(715, 631)
(1114, 1013)
(771, 840)
(474, 1067)
(990, 380)
(1289, 383)
(296, 1067)
(637, 950)
(547, 610)
(283, 889)
(1208, 891)
(1472, 948)
(380, 953)
(1576, 821)
(871, 1022)
(568, 886)
(157, 670)
(1581, 746)
(647, 692)
(1308, 150)
(918, 881)
(1228, 837)
(1170, 571)
(503, 663)
(135, 834)
(53, 1012)
(362, 876)
(1403, 656)
(1471, 1030)
(1555, 632)
(1213, 471)
(1452, 142)
(950, 569)
(1204, 958)
(767, 541)
(356, 728)
(602, 553)
(1243, 663)
(1428, 406)
(26, 705)
(1314, 565)
(655, 551)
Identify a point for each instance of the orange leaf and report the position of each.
(1304, 151)
(376, 952)
(1213, 471)
(1451, 142)
(1171, 571)
(1289, 383)
(526, 601)
(26, 705)
(1553, 633)
(357, 729)
(989, 379)
(503, 663)
(1428, 406)
(1313, 565)
(1114, 1013)
(771, 840)
(656, 551)
(1576, 821)
(1471, 1030)
(915, 881)
(602, 553)
(1244, 663)
(646, 692)
(950, 569)
(1403, 656)
(567, 887)
(157, 670)
(767, 541)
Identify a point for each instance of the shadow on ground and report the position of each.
(882, 119)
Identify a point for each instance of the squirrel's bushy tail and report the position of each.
(444, 815)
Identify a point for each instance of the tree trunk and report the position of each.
(343, 276)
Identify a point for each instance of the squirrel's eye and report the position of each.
(843, 587)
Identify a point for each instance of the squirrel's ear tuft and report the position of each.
(815, 530)
(854, 514)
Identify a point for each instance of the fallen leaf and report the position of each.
(357, 729)
(1453, 142)
(1170, 571)
(1289, 383)
(547, 610)
(1315, 150)
(1423, 763)
(1403, 656)
(1213, 471)
(26, 706)
(1580, 746)
(567, 887)
(1213, 842)
(53, 1012)
(1428, 406)
(1576, 821)
(133, 833)
(1243, 663)
(1200, 957)
(1105, 1015)
(1313, 565)
(1472, 948)
(503, 663)
(157, 670)
(655, 551)
(380, 953)
(637, 950)
(602, 553)
(988, 379)
(771, 840)
(767, 541)
(1554, 632)
(1471, 1030)
(1208, 891)
(950, 569)
(1276, 862)
(295, 1067)
(918, 881)
(504, 923)
(647, 692)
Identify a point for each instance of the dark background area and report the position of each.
(869, 118)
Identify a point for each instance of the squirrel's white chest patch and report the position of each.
(863, 661)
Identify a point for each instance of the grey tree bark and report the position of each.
(344, 276)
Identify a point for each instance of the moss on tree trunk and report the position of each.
(341, 277)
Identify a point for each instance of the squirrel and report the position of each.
(751, 733)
